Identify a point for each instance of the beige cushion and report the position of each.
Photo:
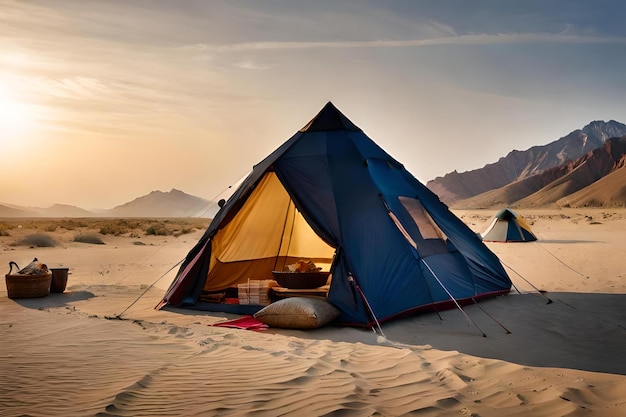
(298, 313)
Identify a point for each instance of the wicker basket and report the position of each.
(301, 280)
(28, 286)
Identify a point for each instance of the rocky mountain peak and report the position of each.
(602, 130)
(518, 165)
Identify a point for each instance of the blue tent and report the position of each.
(508, 226)
(391, 246)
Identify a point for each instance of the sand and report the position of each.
(72, 354)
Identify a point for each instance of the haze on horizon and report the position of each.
(102, 102)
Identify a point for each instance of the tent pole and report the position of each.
(211, 203)
(293, 226)
(367, 304)
(490, 316)
(282, 236)
(452, 298)
(414, 246)
(401, 229)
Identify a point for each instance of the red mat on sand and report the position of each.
(245, 322)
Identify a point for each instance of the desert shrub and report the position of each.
(40, 240)
(158, 230)
(72, 224)
(4, 227)
(130, 223)
(118, 227)
(91, 238)
(183, 231)
(112, 229)
(176, 227)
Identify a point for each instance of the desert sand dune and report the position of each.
(74, 354)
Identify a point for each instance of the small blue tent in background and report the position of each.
(508, 226)
(330, 194)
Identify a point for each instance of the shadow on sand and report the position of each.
(576, 331)
(54, 300)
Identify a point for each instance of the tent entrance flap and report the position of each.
(266, 234)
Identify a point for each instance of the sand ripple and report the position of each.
(302, 379)
(61, 362)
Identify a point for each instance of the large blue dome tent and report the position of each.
(332, 195)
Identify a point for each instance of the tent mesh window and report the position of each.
(433, 239)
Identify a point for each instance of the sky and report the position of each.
(102, 102)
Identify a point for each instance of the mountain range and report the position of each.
(173, 203)
(583, 168)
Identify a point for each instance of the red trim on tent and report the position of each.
(438, 306)
(173, 292)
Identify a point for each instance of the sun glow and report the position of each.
(15, 117)
(18, 119)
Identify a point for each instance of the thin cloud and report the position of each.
(481, 39)
(251, 65)
(72, 88)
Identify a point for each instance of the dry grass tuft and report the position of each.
(4, 229)
(92, 229)
(90, 238)
(38, 240)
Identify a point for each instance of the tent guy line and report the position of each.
(119, 316)
(563, 263)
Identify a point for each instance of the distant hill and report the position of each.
(9, 210)
(64, 210)
(590, 180)
(174, 203)
(519, 165)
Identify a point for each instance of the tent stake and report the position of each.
(453, 299)
(529, 283)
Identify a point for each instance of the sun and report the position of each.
(16, 118)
